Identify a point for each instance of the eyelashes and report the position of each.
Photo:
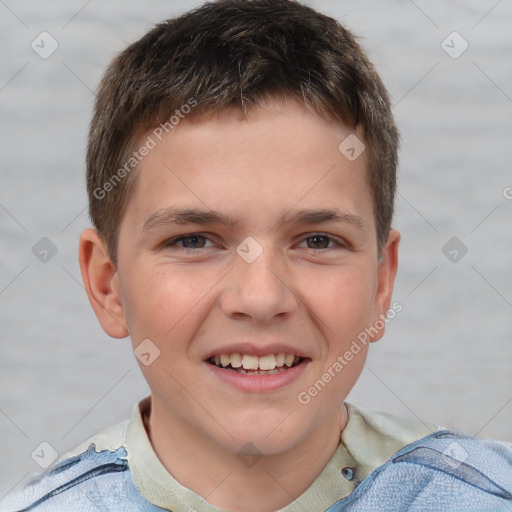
(324, 238)
(195, 241)
(194, 238)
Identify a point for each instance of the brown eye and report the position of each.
(318, 242)
(193, 241)
(189, 242)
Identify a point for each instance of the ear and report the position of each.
(386, 273)
(101, 282)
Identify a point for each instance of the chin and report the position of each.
(270, 434)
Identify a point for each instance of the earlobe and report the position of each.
(101, 284)
(386, 273)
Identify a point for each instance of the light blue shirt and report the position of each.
(390, 465)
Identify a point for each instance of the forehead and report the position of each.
(279, 157)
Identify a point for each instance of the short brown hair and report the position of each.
(234, 53)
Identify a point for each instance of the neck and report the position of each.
(265, 484)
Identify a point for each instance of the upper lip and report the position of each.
(252, 349)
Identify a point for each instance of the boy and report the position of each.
(241, 175)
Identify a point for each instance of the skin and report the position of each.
(193, 296)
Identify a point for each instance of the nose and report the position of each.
(258, 291)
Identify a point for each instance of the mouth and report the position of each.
(246, 364)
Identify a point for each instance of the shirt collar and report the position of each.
(367, 441)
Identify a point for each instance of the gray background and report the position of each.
(446, 358)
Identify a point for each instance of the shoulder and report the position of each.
(67, 484)
(389, 425)
(95, 476)
(372, 437)
(444, 471)
(109, 439)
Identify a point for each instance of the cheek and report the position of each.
(166, 307)
(343, 300)
(164, 303)
(345, 310)
(155, 299)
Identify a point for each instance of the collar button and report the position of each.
(348, 473)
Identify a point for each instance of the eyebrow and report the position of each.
(199, 216)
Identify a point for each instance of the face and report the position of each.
(247, 256)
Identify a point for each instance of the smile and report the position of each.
(246, 364)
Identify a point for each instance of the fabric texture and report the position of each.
(444, 472)
(382, 463)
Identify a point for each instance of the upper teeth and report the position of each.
(248, 362)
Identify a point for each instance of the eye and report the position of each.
(321, 241)
(192, 241)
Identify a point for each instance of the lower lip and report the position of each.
(259, 383)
